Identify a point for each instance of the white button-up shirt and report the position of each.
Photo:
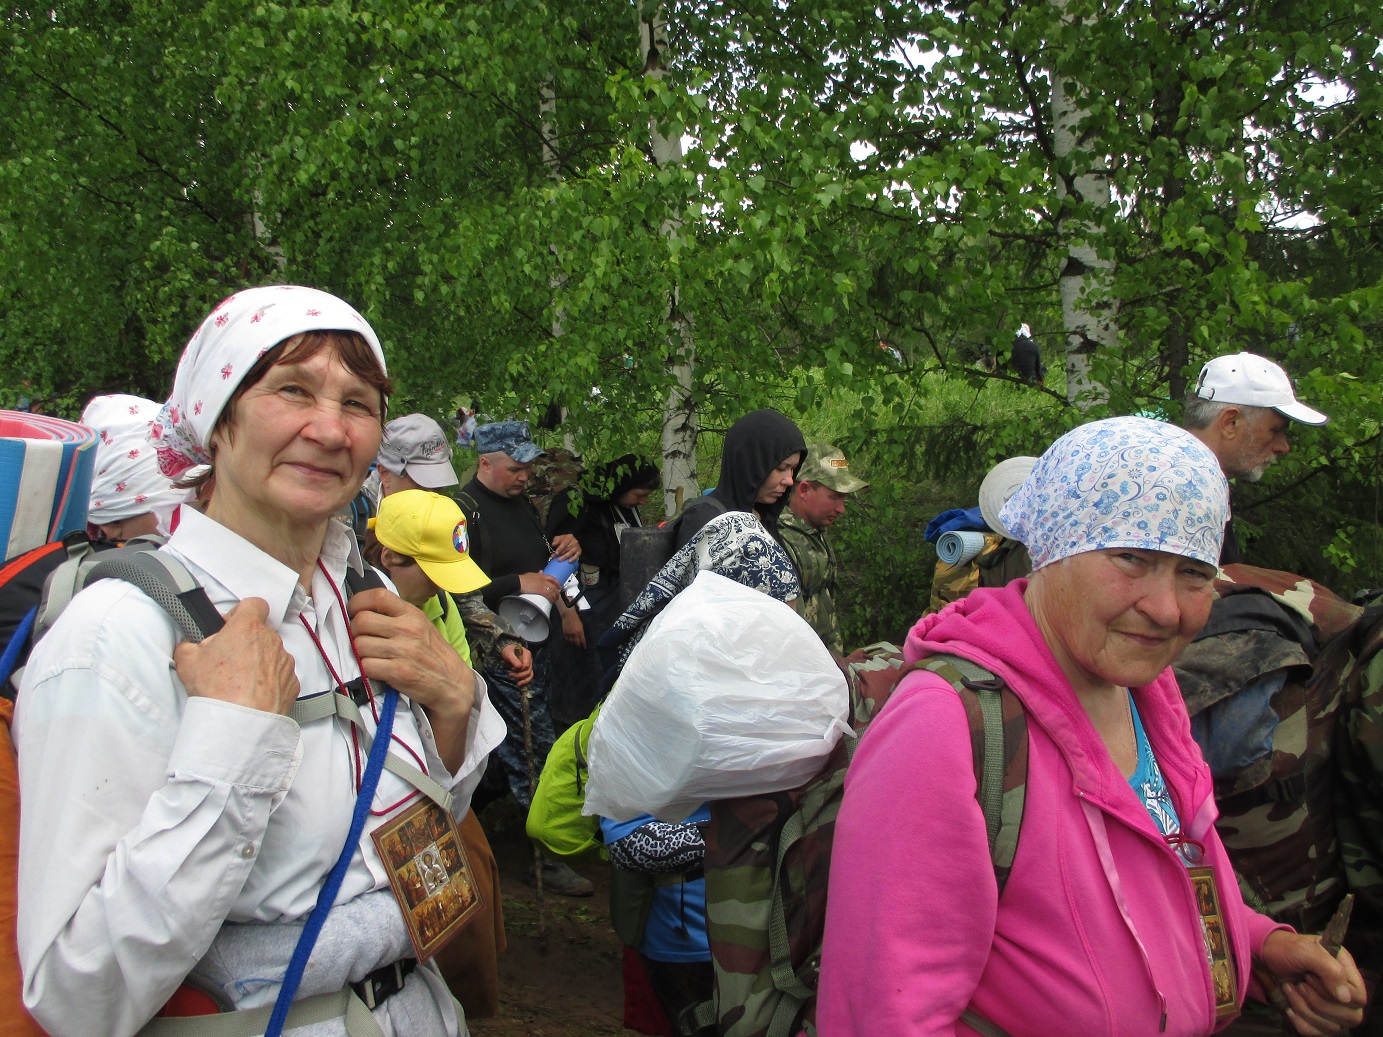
(149, 817)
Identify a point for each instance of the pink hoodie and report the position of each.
(1097, 931)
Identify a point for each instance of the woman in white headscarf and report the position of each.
(130, 495)
(178, 824)
(1121, 913)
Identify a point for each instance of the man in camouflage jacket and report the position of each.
(817, 501)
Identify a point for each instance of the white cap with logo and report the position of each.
(1254, 381)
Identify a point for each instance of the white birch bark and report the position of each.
(261, 233)
(1088, 307)
(679, 410)
(547, 130)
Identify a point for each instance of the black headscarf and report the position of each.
(629, 472)
(599, 512)
(754, 446)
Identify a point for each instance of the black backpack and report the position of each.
(22, 583)
(643, 550)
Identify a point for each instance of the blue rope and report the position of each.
(17, 642)
(368, 783)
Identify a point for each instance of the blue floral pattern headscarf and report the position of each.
(1122, 482)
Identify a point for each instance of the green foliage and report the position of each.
(857, 174)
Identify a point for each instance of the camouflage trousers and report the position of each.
(510, 758)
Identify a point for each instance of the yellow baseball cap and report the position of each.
(430, 529)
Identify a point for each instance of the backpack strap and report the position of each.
(794, 993)
(981, 1025)
(367, 579)
(342, 1004)
(475, 525)
(18, 640)
(999, 745)
(160, 576)
(332, 704)
(166, 580)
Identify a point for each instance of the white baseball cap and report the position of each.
(1253, 381)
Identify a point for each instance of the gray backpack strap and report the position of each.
(72, 575)
(168, 582)
(253, 1022)
(981, 1025)
(332, 703)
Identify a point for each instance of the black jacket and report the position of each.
(595, 520)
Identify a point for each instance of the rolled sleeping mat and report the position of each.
(46, 467)
(959, 546)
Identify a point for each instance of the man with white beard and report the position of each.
(1240, 407)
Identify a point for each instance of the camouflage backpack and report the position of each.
(553, 472)
(999, 563)
(1263, 685)
(1359, 789)
(768, 857)
(952, 582)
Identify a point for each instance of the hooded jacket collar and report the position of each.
(993, 627)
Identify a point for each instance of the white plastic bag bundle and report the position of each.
(729, 693)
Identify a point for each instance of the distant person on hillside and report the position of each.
(1027, 358)
(1240, 407)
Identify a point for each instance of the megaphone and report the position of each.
(528, 613)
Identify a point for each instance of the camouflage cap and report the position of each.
(507, 437)
(825, 464)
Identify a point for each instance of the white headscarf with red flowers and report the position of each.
(127, 481)
(230, 341)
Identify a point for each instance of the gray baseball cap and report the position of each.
(416, 446)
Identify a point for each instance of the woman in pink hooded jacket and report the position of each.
(1121, 914)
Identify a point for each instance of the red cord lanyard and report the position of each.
(1191, 851)
(369, 692)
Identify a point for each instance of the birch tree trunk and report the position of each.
(547, 129)
(1089, 310)
(679, 410)
(261, 232)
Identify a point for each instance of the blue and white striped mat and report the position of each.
(46, 465)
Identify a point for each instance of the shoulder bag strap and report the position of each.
(374, 767)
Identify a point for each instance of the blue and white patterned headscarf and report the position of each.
(1122, 482)
(736, 545)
